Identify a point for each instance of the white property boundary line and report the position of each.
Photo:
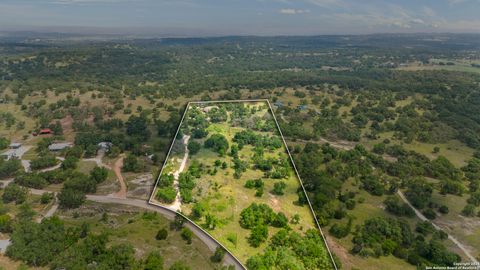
(150, 201)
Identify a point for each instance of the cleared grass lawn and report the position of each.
(8, 264)
(32, 199)
(13, 132)
(86, 166)
(30, 154)
(454, 150)
(459, 66)
(128, 225)
(457, 152)
(224, 196)
(110, 185)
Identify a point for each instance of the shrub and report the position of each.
(280, 220)
(279, 188)
(14, 193)
(166, 195)
(218, 255)
(162, 234)
(429, 213)
(47, 197)
(193, 147)
(70, 198)
(218, 143)
(443, 209)
(469, 210)
(258, 235)
(99, 174)
(187, 235)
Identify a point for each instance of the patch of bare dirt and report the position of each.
(274, 203)
(341, 252)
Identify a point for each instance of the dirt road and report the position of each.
(117, 168)
(177, 204)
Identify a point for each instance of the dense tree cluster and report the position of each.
(249, 137)
(384, 236)
(256, 217)
(9, 168)
(289, 250)
(218, 143)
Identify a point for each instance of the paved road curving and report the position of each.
(205, 238)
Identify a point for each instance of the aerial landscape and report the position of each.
(282, 135)
(229, 171)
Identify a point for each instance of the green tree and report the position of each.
(187, 235)
(132, 164)
(279, 188)
(71, 198)
(137, 127)
(218, 255)
(162, 234)
(166, 195)
(99, 174)
(218, 143)
(469, 210)
(194, 147)
(179, 265)
(258, 235)
(154, 261)
(14, 193)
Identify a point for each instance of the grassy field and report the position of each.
(458, 65)
(129, 225)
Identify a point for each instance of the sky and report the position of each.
(242, 17)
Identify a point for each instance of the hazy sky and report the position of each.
(259, 17)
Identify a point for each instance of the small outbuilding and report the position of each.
(104, 145)
(7, 155)
(15, 145)
(278, 104)
(302, 107)
(209, 108)
(45, 131)
(55, 147)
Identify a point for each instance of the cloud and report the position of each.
(292, 11)
(455, 2)
(328, 3)
(428, 11)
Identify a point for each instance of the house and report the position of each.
(302, 107)
(7, 155)
(45, 131)
(104, 145)
(209, 108)
(278, 104)
(54, 147)
(15, 145)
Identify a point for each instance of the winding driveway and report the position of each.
(117, 168)
(177, 204)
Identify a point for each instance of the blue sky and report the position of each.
(244, 17)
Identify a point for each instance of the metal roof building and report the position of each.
(59, 146)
